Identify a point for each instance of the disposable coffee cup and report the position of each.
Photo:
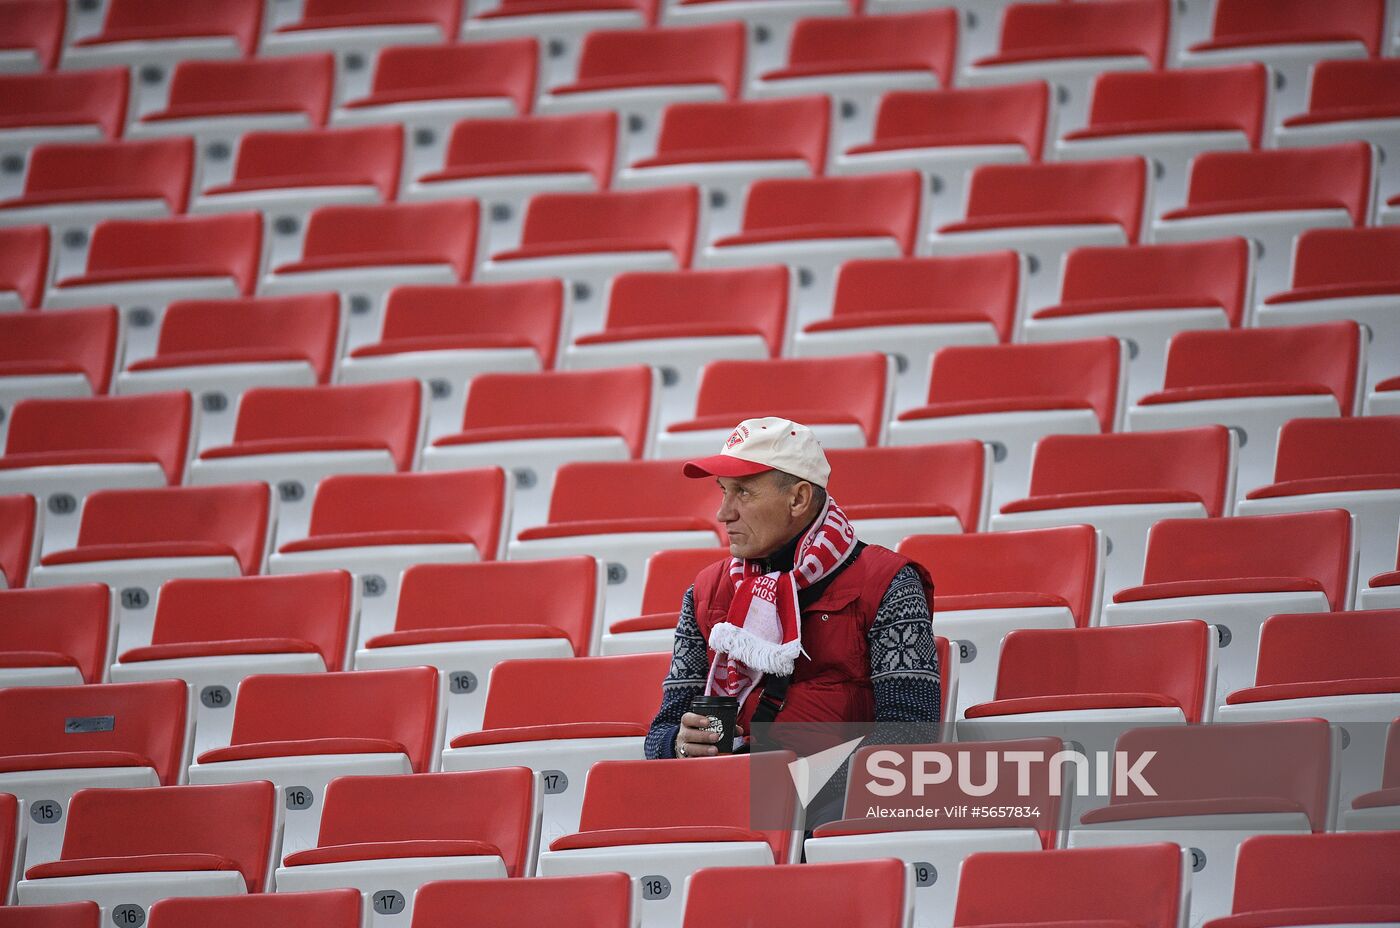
(723, 713)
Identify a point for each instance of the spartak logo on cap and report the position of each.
(737, 437)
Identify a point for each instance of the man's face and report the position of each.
(757, 512)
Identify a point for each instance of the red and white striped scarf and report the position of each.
(762, 632)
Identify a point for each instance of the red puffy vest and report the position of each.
(832, 683)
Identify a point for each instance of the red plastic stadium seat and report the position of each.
(124, 846)
(159, 20)
(303, 730)
(1315, 879)
(564, 224)
(846, 400)
(298, 85)
(864, 892)
(597, 900)
(1141, 885)
(339, 14)
(669, 575)
(832, 46)
(1361, 656)
(1349, 90)
(59, 739)
(794, 128)
(911, 307)
(1013, 395)
(893, 492)
(332, 908)
(610, 703)
(1384, 801)
(33, 31)
(1148, 293)
(479, 72)
(86, 914)
(24, 265)
(82, 342)
(474, 825)
(54, 637)
(367, 158)
(75, 174)
(18, 518)
(62, 102)
(526, 145)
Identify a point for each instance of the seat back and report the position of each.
(1169, 276)
(1359, 87)
(822, 207)
(1281, 766)
(385, 709)
(792, 127)
(295, 84)
(1174, 465)
(723, 299)
(67, 623)
(369, 155)
(144, 723)
(1262, 22)
(1172, 660)
(442, 232)
(620, 688)
(613, 401)
(1317, 449)
(587, 491)
(495, 807)
(408, 508)
(633, 57)
(1110, 191)
(18, 519)
(662, 218)
(1009, 114)
(1326, 177)
(229, 244)
(533, 144)
(869, 893)
(1138, 885)
(1079, 374)
(24, 262)
(945, 479)
(85, 914)
(292, 612)
(234, 822)
(304, 327)
(329, 908)
(1321, 646)
(128, 20)
(595, 900)
(957, 288)
(642, 794)
(1346, 259)
(923, 41)
(1210, 99)
(382, 415)
(81, 340)
(445, 14)
(1034, 31)
(524, 313)
(558, 593)
(1057, 565)
(227, 519)
(152, 169)
(670, 574)
(1316, 871)
(97, 97)
(855, 387)
(152, 427)
(480, 69)
(36, 25)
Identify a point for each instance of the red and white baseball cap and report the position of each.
(757, 445)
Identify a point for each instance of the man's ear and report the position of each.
(801, 497)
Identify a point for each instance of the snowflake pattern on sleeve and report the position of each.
(684, 681)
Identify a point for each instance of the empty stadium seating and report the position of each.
(1124, 483)
(55, 637)
(65, 738)
(560, 718)
(464, 619)
(332, 908)
(34, 32)
(669, 575)
(54, 107)
(891, 493)
(1235, 573)
(24, 266)
(19, 530)
(303, 730)
(213, 633)
(386, 836)
(55, 354)
(87, 914)
(989, 584)
(872, 892)
(1379, 809)
(135, 540)
(591, 901)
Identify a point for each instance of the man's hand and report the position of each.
(695, 738)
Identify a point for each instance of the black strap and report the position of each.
(771, 701)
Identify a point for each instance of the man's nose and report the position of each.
(726, 511)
